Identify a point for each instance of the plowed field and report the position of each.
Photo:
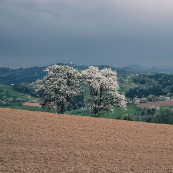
(31, 104)
(45, 142)
(158, 103)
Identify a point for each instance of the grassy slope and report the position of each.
(13, 92)
(16, 94)
(127, 87)
(118, 112)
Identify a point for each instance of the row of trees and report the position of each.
(141, 92)
(25, 88)
(63, 83)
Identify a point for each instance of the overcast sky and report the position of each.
(88, 32)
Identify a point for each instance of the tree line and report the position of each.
(141, 92)
(25, 88)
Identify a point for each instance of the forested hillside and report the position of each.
(21, 75)
(10, 76)
(154, 84)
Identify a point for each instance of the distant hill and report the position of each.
(11, 76)
(137, 68)
(160, 70)
(153, 69)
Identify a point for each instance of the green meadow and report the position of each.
(117, 113)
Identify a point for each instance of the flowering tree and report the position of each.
(102, 90)
(58, 88)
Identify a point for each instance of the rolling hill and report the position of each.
(21, 75)
(45, 142)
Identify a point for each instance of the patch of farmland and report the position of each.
(158, 103)
(31, 104)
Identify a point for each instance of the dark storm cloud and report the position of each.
(113, 32)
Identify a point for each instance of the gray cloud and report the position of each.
(112, 32)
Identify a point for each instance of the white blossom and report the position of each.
(58, 87)
(102, 90)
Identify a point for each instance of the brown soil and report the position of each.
(159, 103)
(31, 104)
(45, 142)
